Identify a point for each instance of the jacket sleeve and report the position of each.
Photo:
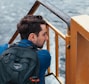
(3, 48)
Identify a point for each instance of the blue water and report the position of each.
(11, 11)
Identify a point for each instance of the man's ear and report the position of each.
(31, 37)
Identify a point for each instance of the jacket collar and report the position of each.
(26, 43)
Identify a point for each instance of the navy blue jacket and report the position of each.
(3, 48)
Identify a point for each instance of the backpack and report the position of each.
(19, 65)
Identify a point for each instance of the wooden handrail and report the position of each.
(34, 8)
(56, 30)
(58, 33)
(56, 12)
(13, 37)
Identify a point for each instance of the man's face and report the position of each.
(42, 36)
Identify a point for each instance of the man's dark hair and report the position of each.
(30, 24)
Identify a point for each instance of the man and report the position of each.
(33, 32)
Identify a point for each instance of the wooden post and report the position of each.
(79, 50)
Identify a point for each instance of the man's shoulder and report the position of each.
(44, 54)
(3, 47)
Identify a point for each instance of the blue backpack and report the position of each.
(19, 65)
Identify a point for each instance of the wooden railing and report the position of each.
(58, 33)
